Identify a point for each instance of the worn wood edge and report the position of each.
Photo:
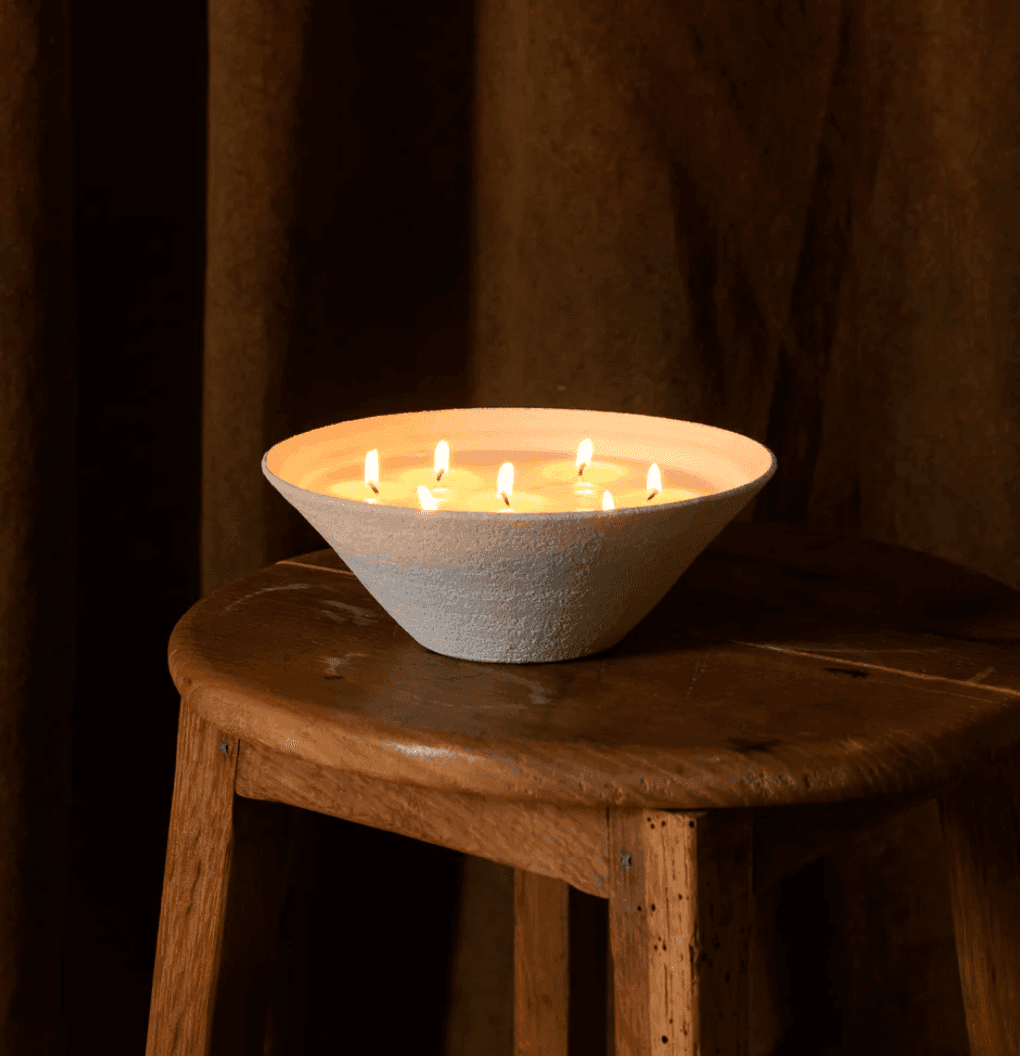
(564, 843)
(369, 746)
(344, 571)
(381, 751)
(785, 838)
(541, 965)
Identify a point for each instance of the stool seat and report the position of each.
(790, 688)
(783, 668)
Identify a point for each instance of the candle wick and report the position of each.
(580, 469)
(502, 495)
(372, 486)
(439, 475)
(653, 494)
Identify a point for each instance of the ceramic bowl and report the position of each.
(522, 587)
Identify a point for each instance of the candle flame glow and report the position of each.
(654, 479)
(442, 458)
(372, 467)
(583, 455)
(426, 499)
(607, 501)
(505, 481)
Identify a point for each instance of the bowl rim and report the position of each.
(754, 485)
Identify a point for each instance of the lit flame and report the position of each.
(372, 467)
(505, 481)
(607, 501)
(426, 499)
(442, 458)
(583, 456)
(654, 480)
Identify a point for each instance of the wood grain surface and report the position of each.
(193, 911)
(811, 686)
(981, 826)
(680, 914)
(785, 667)
(541, 965)
(566, 843)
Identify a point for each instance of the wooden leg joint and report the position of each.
(680, 907)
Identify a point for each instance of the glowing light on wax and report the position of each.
(654, 484)
(583, 456)
(408, 479)
(505, 482)
(442, 459)
(372, 470)
(449, 487)
(370, 490)
(582, 493)
(582, 474)
(653, 490)
(504, 500)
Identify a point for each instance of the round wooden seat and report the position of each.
(783, 668)
(792, 687)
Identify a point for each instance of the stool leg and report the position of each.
(189, 941)
(981, 827)
(541, 964)
(252, 988)
(680, 909)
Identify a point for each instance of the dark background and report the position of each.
(371, 918)
(373, 910)
(138, 104)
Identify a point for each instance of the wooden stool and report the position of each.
(790, 689)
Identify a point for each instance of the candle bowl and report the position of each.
(522, 587)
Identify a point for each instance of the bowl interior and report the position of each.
(722, 459)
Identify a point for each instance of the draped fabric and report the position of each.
(37, 524)
(796, 221)
(799, 222)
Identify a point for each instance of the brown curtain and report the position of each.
(795, 221)
(799, 222)
(38, 517)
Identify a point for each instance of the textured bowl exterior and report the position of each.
(523, 588)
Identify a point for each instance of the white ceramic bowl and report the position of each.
(522, 587)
